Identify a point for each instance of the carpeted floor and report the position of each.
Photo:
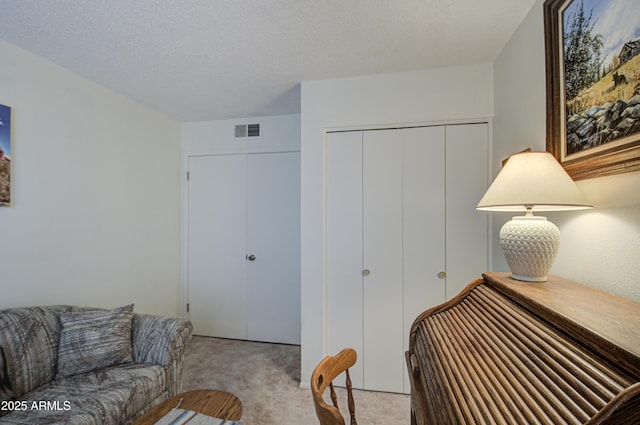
(266, 378)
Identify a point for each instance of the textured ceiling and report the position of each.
(200, 60)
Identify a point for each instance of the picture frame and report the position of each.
(5, 156)
(592, 127)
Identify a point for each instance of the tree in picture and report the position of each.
(582, 52)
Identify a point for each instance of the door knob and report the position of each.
(365, 272)
(251, 257)
(442, 275)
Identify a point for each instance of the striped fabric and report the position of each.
(113, 395)
(96, 339)
(105, 397)
(150, 336)
(184, 417)
(29, 337)
(6, 391)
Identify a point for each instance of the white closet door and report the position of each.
(217, 241)
(344, 246)
(466, 181)
(423, 225)
(400, 206)
(274, 239)
(382, 253)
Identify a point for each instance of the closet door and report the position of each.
(423, 225)
(402, 236)
(466, 182)
(273, 298)
(217, 245)
(383, 260)
(385, 245)
(244, 246)
(343, 295)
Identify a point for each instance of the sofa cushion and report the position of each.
(29, 337)
(6, 390)
(94, 339)
(101, 397)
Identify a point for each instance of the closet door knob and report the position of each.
(251, 257)
(442, 275)
(365, 272)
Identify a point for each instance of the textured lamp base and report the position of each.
(530, 244)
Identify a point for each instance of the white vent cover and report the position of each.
(247, 131)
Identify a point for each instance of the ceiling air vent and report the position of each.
(247, 131)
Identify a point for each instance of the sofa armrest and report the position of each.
(162, 341)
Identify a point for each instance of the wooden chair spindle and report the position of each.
(350, 401)
(334, 398)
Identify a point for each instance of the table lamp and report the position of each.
(528, 181)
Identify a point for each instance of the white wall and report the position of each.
(207, 137)
(95, 215)
(599, 247)
(437, 95)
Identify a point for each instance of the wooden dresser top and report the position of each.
(608, 323)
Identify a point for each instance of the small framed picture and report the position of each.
(5, 155)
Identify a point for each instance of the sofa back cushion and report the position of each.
(93, 339)
(29, 337)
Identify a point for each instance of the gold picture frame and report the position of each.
(605, 145)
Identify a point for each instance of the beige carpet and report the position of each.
(266, 378)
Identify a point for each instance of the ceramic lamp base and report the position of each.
(530, 244)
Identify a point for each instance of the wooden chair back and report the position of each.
(322, 377)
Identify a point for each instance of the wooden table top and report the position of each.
(215, 403)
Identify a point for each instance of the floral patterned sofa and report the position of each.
(81, 366)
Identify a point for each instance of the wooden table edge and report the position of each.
(215, 403)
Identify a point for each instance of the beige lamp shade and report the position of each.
(533, 179)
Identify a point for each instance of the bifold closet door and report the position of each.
(382, 155)
(467, 229)
(423, 226)
(344, 301)
(384, 245)
(402, 235)
(217, 245)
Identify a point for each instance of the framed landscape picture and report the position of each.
(593, 85)
(5, 155)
